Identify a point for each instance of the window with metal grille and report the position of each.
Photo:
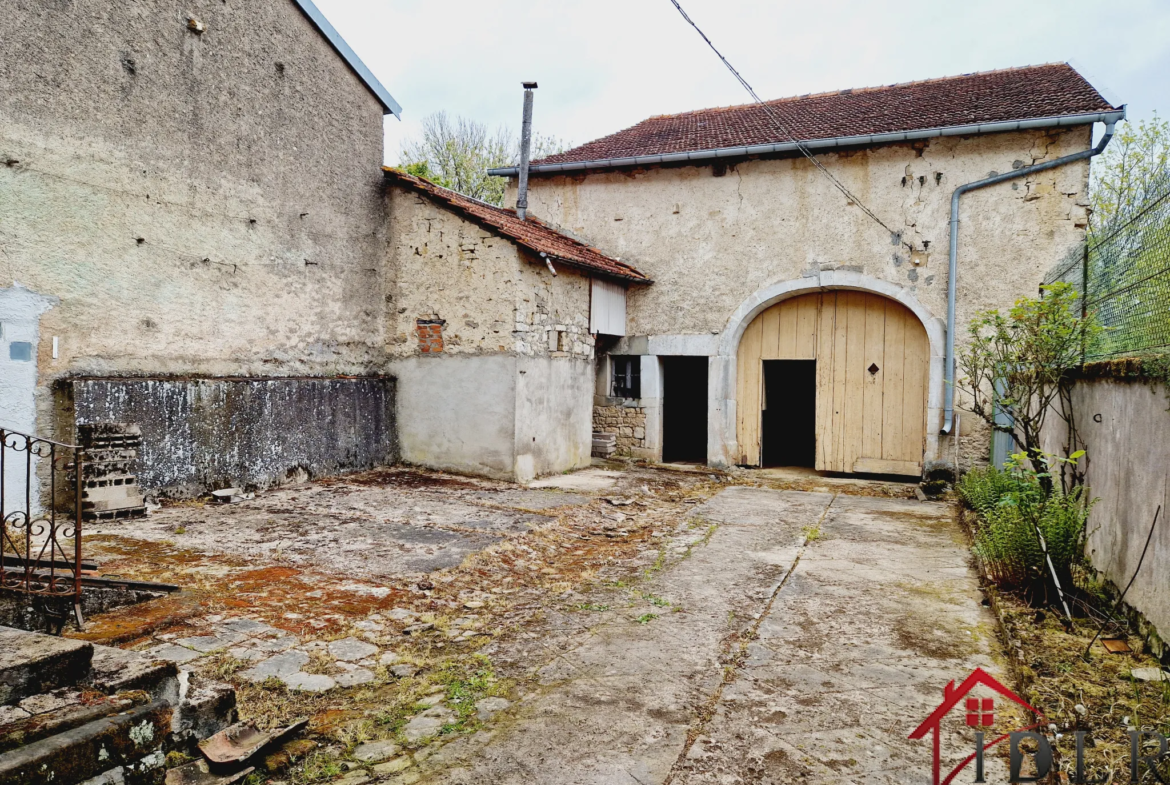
(627, 381)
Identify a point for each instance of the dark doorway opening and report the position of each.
(789, 425)
(684, 409)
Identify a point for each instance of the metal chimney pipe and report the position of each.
(525, 151)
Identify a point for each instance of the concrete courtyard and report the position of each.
(641, 625)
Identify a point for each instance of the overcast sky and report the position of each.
(604, 65)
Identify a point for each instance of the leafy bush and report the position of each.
(1011, 505)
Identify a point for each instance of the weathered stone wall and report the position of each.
(1124, 426)
(491, 295)
(196, 203)
(202, 434)
(628, 423)
(710, 241)
(713, 236)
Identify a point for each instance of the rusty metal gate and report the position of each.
(40, 510)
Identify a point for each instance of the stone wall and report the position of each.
(204, 434)
(191, 203)
(1124, 425)
(628, 423)
(487, 294)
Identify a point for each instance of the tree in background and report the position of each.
(1134, 169)
(456, 154)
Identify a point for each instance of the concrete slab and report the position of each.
(843, 618)
(584, 480)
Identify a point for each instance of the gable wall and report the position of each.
(197, 204)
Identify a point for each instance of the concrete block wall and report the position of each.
(1124, 425)
(204, 434)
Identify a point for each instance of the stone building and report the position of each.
(788, 326)
(491, 333)
(192, 235)
(197, 236)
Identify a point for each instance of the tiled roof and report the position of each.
(1031, 92)
(531, 233)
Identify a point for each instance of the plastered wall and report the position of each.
(711, 237)
(196, 203)
(1124, 425)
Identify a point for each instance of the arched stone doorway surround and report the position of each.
(721, 413)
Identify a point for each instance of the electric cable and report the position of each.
(768, 109)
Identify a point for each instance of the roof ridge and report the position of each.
(854, 90)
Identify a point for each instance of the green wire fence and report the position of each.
(1123, 275)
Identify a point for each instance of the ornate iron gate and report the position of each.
(40, 510)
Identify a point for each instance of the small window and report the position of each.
(627, 379)
(21, 351)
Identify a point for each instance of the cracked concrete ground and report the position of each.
(638, 626)
(812, 632)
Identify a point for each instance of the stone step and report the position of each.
(32, 663)
(45, 715)
(126, 747)
(118, 670)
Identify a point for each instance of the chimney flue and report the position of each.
(525, 151)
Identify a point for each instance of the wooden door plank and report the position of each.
(883, 466)
(853, 433)
(873, 384)
(895, 352)
(917, 356)
(770, 332)
(748, 394)
(826, 314)
(786, 345)
(808, 307)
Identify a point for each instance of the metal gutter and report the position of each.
(1110, 119)
(342, 48)
(822, 144)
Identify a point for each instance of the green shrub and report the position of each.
(1010, 507)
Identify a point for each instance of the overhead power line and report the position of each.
(770, 111)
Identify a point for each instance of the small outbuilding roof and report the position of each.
(990, 101)
(532, 233)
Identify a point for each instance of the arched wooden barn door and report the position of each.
(872, 359)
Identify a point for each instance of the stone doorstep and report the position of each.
(32, 663)
(83, 752)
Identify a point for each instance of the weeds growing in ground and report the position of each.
(646, 618)
(1012, 507)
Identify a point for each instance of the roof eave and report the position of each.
(863, 140)
(389, 173)
(389, 105)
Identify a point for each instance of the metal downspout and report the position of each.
(953, 270)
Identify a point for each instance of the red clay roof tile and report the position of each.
(531, 233)
(993, 96)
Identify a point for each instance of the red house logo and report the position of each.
(980, 713)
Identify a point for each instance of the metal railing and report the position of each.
(40, 512)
